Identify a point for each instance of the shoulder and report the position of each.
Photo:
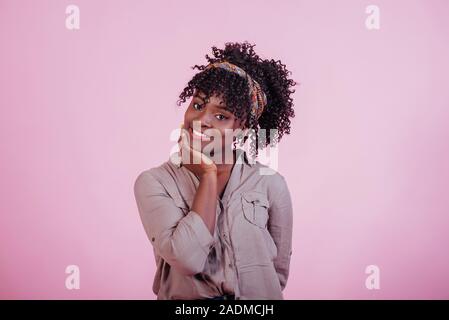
(270, 182)
(153, 177)
(271, 177)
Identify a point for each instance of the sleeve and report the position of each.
(182, 240)
(280, 226)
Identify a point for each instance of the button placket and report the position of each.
(228, 270)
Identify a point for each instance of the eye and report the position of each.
(221, 117)
(197, 106)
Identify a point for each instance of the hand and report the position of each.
(200, 165)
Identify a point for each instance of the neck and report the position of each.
(226, 167)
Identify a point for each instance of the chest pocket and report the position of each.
(255, 208)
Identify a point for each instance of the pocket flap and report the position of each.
(255, 208)
(257, 198)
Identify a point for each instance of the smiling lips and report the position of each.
(199, 135)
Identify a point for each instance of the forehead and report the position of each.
(214, 99)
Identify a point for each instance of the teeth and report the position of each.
(200, 135)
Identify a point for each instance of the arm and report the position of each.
(280, 227)
(205, 200)
(183, 241)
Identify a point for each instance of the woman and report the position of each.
(220, 229)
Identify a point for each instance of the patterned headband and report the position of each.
(257, 96)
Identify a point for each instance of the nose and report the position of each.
(200, 125)
(204, 119)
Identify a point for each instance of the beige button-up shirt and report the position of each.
(249, 253)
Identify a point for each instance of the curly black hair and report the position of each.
(233, 89)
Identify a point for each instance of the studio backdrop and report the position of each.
(88, 93)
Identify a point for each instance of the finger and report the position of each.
(185, 138)
(185, 151)
(200, 157)
(206, 159)
(181, 131)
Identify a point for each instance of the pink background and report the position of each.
(83, 112)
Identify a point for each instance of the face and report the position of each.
(210, 125)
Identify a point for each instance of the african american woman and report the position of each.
(220, 224)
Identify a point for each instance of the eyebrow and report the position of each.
(218, 106)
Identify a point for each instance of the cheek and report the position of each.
(238, 124)
(228, 129)
(188, 115)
